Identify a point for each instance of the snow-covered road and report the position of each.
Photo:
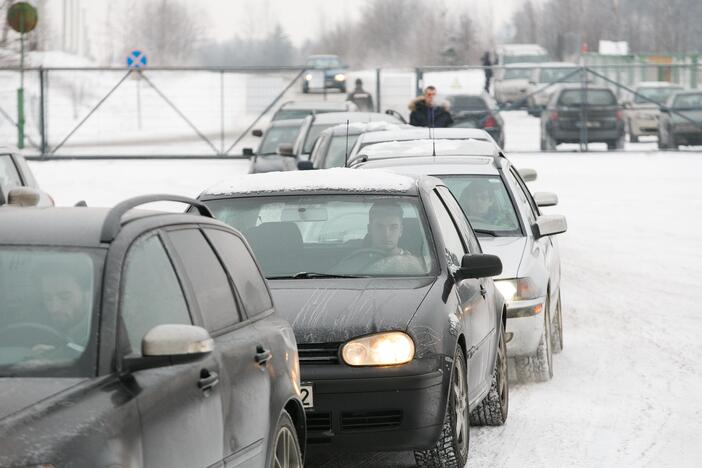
(627, 389)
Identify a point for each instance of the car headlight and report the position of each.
(339, 77)
(308, 77)
(382, 349)
(519, 289)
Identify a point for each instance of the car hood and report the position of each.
(695, 115)
(509, 249)
(336, 310)
(18, 393)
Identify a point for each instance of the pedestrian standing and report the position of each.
(426, 114)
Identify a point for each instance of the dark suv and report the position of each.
(592, 112)
(140, 338)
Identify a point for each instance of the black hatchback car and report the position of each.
(478, 111)
(140, 338)
(400, 329)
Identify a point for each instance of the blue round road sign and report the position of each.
(136, 59)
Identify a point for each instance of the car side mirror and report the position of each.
(23, 196)
(545, 198)
(529, 175)
(166, 345)
(479, 266)
(286, 149)
(549, 225)
(257, 132)
(305, 166)
(248, 152)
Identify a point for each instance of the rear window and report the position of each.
(467, 103)
(593, 97)
(517, 73)
(688, 101)
(659, 95)
(551, 75)
(276, 136)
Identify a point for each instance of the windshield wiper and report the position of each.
(311, 274)
(487, 232)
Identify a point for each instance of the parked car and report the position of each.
(334, 144)
(509, 223)
(324, 72)
(545, 80)
(681, 120)
(643, 109)
(268, 157)
(478, 111)
(313, 125)
(301, 109)
(571, 107)
(512, 83)
(508, 54)
(140, 338)
(16, 174)
(399, 326)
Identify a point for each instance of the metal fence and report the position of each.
(208, 112)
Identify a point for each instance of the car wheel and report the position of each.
(451, 450)
(492, 411)
(539, 367)
(286, 448)
(632, 138)
(557, 328)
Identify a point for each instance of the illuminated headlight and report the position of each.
(308, 77)
(339, 77)
(382, 349)
(519, 289)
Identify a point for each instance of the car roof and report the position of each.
(357, 128)
(341, 117)
(439, 165)
(426, 147)
(314, 105)
(419, 133)
(336, 180)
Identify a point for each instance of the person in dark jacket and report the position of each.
(361, 97)
(426, 114)
(487, 63)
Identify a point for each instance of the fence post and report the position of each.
(377, 89)
(42, 112)
(419, 81)
(693, 71)
(583, 115)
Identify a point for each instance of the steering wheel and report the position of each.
(20, 334)
(365, 254)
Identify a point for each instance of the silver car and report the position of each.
(643, 110)
(17, 183)
(509, 222)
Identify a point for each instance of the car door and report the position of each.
(245, 384)
(473, 309)
(180, 406)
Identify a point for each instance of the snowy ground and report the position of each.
(626, 389)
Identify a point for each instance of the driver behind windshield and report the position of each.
(479, 200)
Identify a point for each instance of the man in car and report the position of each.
(426, 114)
(361, 98)
(479, 200)
(381, 252)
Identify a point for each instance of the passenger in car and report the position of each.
(479, 201)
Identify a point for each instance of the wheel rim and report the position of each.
(460, 406)
(286, 450)
(502, 374)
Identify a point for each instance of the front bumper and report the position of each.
(391, 408)
(525, 320)
(642, 127)
(593, 135)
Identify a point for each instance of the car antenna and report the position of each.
(346, 154)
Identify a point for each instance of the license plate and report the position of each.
(595, 124)
(307, 396)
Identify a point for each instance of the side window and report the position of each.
(9, 177)
(454, 249)
(151, 294)
(521, 197)
(460, 218)
(527, 193)
(213, 292)
(243, 270)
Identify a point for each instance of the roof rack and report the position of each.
(113, 220)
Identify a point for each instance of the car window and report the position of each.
(312, 135)
(276, 136)
(243, 271)
(453, 245)
(213, 292)
(517, 73)
(521, 197)
(593, 97)
(459, 218)
(688, 101)
(152, 294)
(551, 75)
(467, 103)
(338, 149)
(658, 94)
(527, 193)
(9, 177)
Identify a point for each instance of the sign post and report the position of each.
(136, 60)
(22, 17)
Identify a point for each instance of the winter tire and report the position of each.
(557, 328)
(286, 446)
(451, 450)
(632, 138)
(492, 411)
(539, 367)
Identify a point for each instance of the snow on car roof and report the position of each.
(356, 128)
(469, 147)
(336, 179)
(417, 133)
(342, 117)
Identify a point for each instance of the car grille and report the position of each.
(318, 353)
(318, 422)
(364, 421)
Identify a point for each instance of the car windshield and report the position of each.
(47, 309)
(551, 75)
(277, 135)
(324, 62)
(659, 95)
(338, 149)
(332, 235)
(486, 203)
(688, 101)
(467, 103)
(531, 58)
(593, 97)
(312, 135)
(517, 73)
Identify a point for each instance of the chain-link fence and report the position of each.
(209, 112)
